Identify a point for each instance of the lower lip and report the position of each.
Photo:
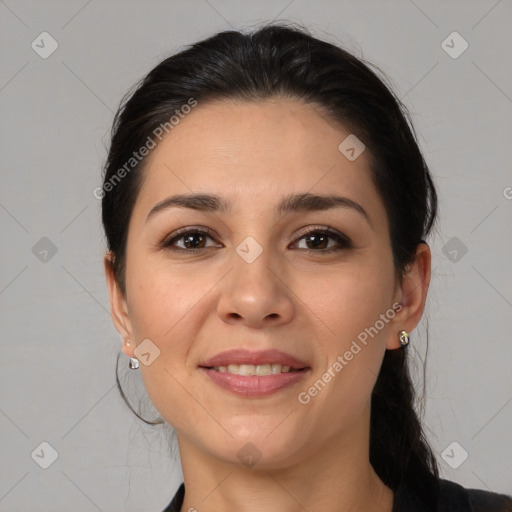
(253, 385)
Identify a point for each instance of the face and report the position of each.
(309, 282)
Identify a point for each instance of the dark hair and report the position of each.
(283, 61)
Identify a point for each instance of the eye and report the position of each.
(193, 239)
(318, 237)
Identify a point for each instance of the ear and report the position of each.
(411, 294)
(118, 306)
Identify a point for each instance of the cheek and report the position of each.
(350, 306)
(168, 307)
(161, 313)
(160, 298)
(347, 301)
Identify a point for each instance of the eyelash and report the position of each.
(343, 241)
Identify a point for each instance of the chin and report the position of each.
(261, 449)
(255, 457)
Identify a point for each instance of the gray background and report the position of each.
(58, 344)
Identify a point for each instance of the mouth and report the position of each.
(254, 374)
(259, 370)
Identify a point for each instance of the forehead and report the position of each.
(271, 130)
(256, 151)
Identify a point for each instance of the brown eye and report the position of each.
(317, 240)
(192, 240)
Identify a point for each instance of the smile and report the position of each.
(244, 380)
(257, 370)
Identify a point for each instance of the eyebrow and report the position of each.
(291, 203)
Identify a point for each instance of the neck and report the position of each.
(336, 477)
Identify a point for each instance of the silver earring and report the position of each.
(134, 363)
(404, 338)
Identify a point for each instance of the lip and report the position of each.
(241, 356)
(252, 385)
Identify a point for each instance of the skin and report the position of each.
(312, 305)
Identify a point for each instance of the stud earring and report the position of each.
(134, 363)
(404, 338)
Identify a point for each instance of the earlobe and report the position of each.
(118, 305)
(414, 288)
(128, 347)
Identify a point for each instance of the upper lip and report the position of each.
(241, 356)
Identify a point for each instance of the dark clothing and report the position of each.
(452, 498)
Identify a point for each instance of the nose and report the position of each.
(255, 294)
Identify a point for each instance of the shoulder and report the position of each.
(455, 498)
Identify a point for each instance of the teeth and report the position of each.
(251, 369)
(245, 369)
(262, 369)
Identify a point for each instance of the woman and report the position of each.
(266, 207)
